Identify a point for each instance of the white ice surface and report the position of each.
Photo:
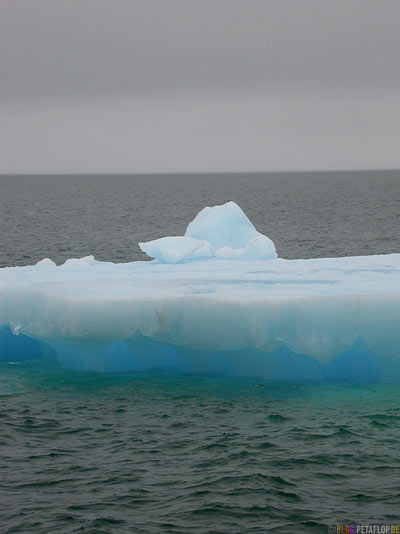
(177, 249)
(316, 307)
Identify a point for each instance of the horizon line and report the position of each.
(200, 173)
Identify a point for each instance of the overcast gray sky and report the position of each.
(199, 85)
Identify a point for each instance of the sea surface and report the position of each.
(156, 453)
(306, 215)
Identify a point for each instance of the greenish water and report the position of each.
(142, 453)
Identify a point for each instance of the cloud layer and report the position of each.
(184, 85)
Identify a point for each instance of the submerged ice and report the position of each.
(193, 309)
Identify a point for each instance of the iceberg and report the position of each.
(216, 300)
(223, 232)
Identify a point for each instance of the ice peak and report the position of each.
(223, 232)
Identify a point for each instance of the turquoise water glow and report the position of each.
(152, 453)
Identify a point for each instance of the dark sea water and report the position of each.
(306, 215)
(155, 453)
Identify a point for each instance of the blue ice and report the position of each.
(216, 300)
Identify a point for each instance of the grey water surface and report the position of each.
(159, 453)
(305, 214)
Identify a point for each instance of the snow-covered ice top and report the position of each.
(223, 232)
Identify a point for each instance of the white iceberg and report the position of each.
(301, 320)
(223, 232)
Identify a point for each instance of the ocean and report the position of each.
(150, 453)
(307, 215)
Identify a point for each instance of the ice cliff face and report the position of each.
(222, 232)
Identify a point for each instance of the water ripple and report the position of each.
(156, 454)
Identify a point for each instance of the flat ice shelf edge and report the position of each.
(299, 320)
